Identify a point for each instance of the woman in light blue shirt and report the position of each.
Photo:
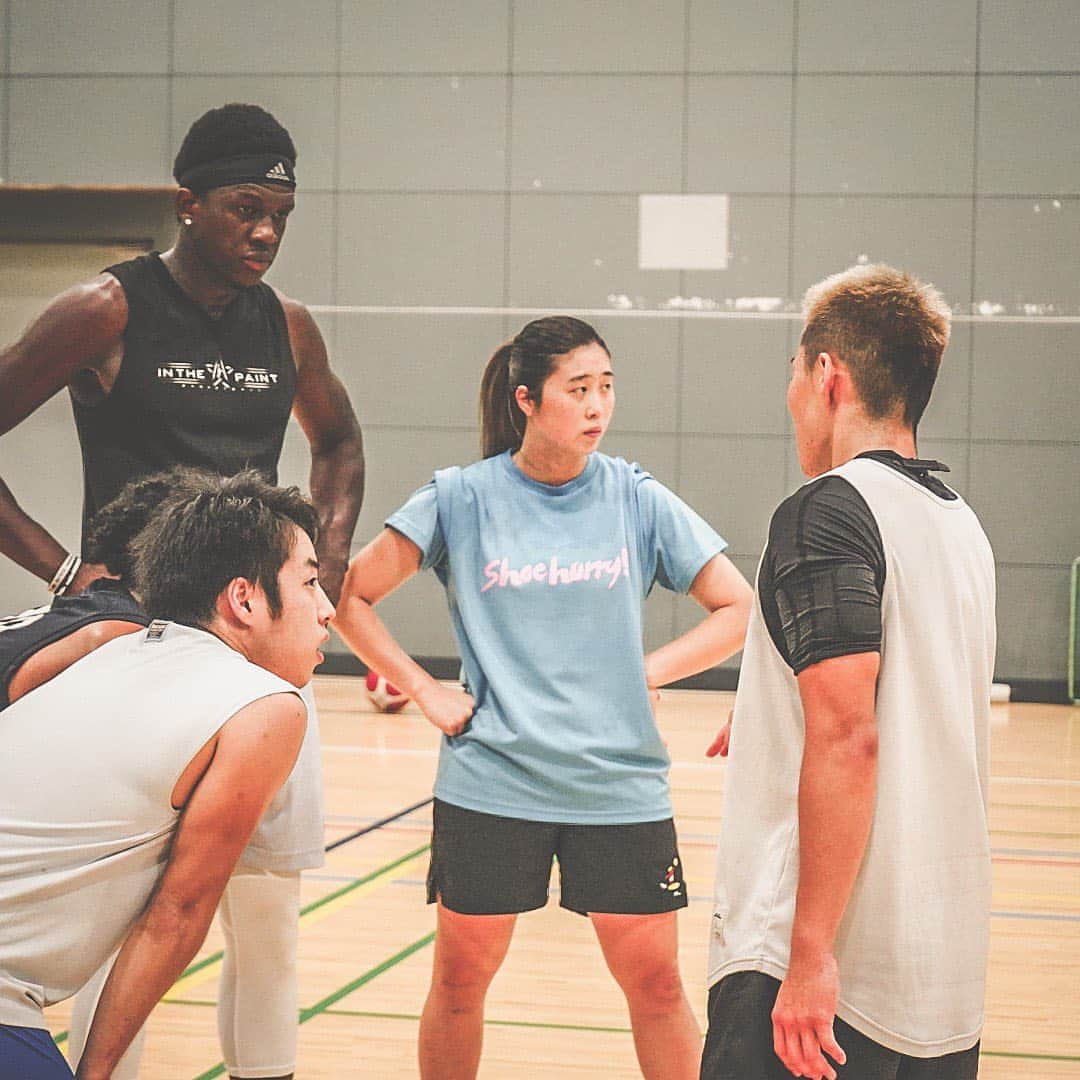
(547, 550)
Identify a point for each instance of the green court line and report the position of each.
(213, 958)
(374, 973)
(415, 1018)
(1029, 1057)
(321, 1006)
(487, 1023)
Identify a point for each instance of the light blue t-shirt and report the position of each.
(545, 586)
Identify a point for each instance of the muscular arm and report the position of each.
(821, 584)
(323, 410)
(836, 805)
(385, 564)
(76, 332)
(218, 819)
(725, 594)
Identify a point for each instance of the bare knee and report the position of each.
(654, 989)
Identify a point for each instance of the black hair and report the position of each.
(234, 527)
(230, 131)
(526, 360)
(112, 529)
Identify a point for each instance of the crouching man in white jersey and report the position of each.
(130, 783)
(853, 880)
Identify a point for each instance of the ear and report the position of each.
(238, 601)
(187, 202)
(525, 403)
(827, 373)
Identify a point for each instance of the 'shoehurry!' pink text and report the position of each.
(499, 574)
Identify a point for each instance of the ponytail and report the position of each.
(526, 361)
(502, 423)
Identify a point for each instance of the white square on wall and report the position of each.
(682, 232)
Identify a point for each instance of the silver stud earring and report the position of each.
(186, 220)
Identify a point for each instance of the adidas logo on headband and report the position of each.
(278, 173)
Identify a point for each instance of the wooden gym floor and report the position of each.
(553, 1011)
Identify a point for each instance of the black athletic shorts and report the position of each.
(483, 864)
(739, 1043)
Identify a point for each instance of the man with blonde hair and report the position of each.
(850, 929)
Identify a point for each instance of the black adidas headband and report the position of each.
(244, 169)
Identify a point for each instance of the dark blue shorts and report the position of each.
(30, 1054)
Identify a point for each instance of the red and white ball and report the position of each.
(385, 696)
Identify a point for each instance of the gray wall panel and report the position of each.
(1027, 254)
(420, 249)
(646, 366)
(603, 35)
(390, 363)
(88, 131)
(722, 41)
(597, 133)
(739, 133)
(946, 416)
(1025, 496)
(734, 484)
(255, 38)
(1029, 37)
(759, 237)
(868, 35)
(399, 461)
(418, 617)
(1016, 156)
(735, 377)
(850, 127)
(304, 268)
(579, 251)
(119, 37)
(1033, 621)
(929, 237)
(418, 36)
(435, 132)
(1026, 383)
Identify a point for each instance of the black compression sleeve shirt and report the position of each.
(822, 576)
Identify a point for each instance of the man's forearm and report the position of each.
(26, 542)
(337, 490)
(836, 807)
(156, 951)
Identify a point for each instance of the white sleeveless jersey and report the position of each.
(912, 945)
(88, 762)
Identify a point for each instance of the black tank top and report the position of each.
(192, 390)
(23, 635)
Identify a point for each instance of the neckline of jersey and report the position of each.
(552, 490)
(171, 283)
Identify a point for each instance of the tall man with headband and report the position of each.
(187, 358)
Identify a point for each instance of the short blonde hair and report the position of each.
(888, 328)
